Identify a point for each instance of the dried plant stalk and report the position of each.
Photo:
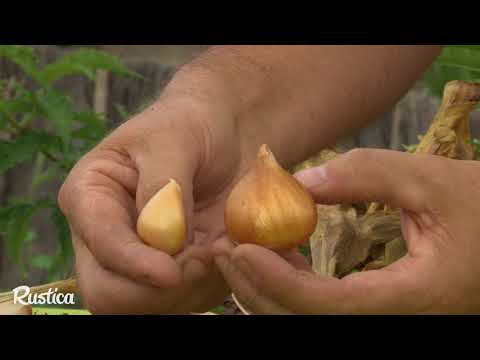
(240, 306)
(449, 134)
(9, 308)
(348, 238)
(345, 239)
(321, 158)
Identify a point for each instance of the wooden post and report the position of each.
(100, 101)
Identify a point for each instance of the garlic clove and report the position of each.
(269, 207)
(162, 223)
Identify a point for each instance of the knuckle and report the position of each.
(134, 263)
(349, 164)
(63, 197)
(434, 175)
(69, 190)
(244, 251)
(434, 167)
(302, 276)
(359, 155)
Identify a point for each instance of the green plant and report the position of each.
(41, 124)
(457, 62)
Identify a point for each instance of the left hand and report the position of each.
(440, 202)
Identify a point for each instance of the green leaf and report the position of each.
(122, 111)
(57, 109)
(476, 144)
(42, 261)
(438, 75)
(63, 234)
(31, 236)
(410, 148)
(39, 311)
(15, 227)
(218, 310)
(3, 121)
(24, 148)
(23, 104)
(51, 173)
(305, 251)
(5, 214)
(460, 57)
(71, 157)
(470, 47)
(24, 57)
(94, 128)
(61, 263)
(85, 62)
(15, 106)
(17, 230)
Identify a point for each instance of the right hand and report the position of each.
(103, 195)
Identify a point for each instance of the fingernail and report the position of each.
(312, 177)
(245, 268)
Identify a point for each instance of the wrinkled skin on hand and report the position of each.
(440, 200)
(104, 194)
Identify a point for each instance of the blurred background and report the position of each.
(34, 241)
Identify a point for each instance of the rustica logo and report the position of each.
(22, 295)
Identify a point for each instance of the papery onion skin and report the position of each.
(270, 208)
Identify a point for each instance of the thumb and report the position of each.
(398, 179)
